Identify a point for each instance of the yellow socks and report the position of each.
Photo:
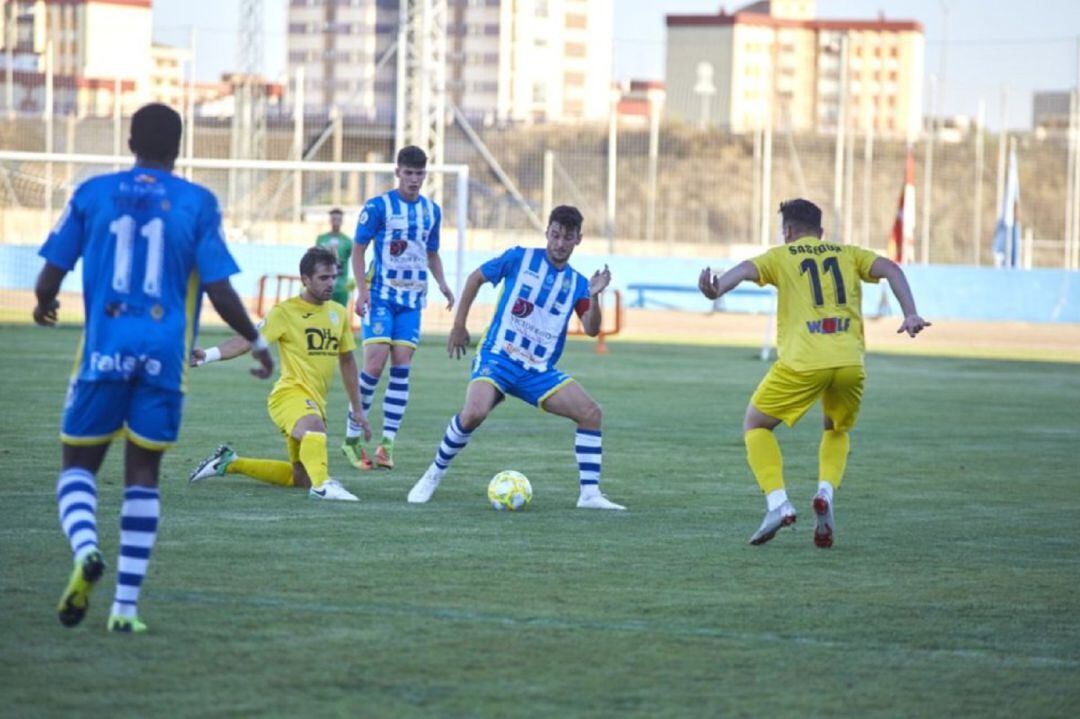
(271, 471)
(832, 456)
(313, 457)
(766, 462)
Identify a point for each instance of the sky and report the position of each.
(986, 50)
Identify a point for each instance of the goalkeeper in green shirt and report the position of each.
(341, 245)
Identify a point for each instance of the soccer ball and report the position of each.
(509, 490)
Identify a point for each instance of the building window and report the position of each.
(577, 22)
(575, 49)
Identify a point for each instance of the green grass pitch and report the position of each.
(952, 588)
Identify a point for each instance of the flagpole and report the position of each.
(980, 151)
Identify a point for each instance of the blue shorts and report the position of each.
(392, 323)
(510, 378)
(97, 412)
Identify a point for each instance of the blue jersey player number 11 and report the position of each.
(150, 244)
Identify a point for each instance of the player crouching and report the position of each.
(313, 335)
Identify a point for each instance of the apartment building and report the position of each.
(98, 47)
(774, 60)
(507, 60)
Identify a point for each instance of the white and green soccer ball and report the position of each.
(509, 490)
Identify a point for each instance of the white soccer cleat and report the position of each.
(597, 501)
(332, 489)
(424, 487)
(214, 465)
(775, 520)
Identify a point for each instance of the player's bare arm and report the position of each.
(884, 268)
(228, 305)
(457, 345)
(227, 350)
(359, 266)
(591, 320)
(714, 286)
(46, 289)
(349, 374)
(435, 265)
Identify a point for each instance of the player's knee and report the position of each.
(591, 416)
(471, 417)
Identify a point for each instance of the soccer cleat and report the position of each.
(214, 465)
(597, 501)
(76, 598)
(823, 530)
(125, 625)
(384, 454)
(356, 455)
(782, 516)
(424, 487)
(332, 489)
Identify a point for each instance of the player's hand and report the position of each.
(266, 363)
(363, 299)
(709, 284)
(198, 357)
(357, 420)
(46, 315)
(458, 343)
(913, 325)
(599, 281)
(448, 294)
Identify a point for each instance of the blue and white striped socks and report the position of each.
(138, 530)
(367, 393)
(587, 447)
(453, 441)
(76, 498)
(397, 396)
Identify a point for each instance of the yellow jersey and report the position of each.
(819, 301)
(310, 338)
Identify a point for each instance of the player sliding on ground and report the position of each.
(313, 336)
(820, 354)
(147, 239)
(522, 345)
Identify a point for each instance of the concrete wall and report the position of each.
(963, 293)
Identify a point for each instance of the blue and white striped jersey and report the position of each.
(404, 232)
(148, 241)
(533, 311)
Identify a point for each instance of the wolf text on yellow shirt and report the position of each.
(819, 306)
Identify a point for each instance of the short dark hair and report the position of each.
(569, 217)
(316, 256)
(155, 133)
(336, 211)
(411, 156)
(801, 214)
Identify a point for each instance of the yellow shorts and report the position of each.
(788, 395)
(288, 407)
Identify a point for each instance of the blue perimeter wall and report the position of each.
(941, 291)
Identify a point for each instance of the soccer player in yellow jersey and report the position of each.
(313, 336)
(820, 354)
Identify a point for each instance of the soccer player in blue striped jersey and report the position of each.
(150, 243)
(402, 228)
(521, 347)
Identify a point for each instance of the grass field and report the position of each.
(952, 588)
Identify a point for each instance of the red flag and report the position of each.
(903, 229)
